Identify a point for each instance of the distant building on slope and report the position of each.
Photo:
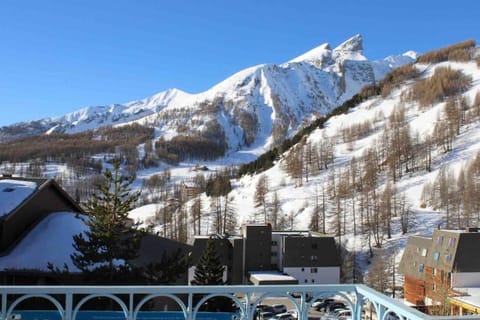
(262, 256)
(189, 190)
(445, 267)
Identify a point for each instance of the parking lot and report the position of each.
(312, 314)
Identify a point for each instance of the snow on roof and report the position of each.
(13, 193)
(49, 241)
(472, 295)
(190, 184)
(269, 276)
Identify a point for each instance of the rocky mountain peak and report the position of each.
(354, 44)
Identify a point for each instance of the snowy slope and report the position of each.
(255, 108)
(298, 201)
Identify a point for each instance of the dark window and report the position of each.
(451, 242)
(274, 243)
(274, 254)
(313, 270)
(313, 280)
(303, 269)
(440, 240)
(314, 246)
(420, 267)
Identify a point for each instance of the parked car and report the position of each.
(343, 313)
(279, 308)
(283, 316)
(392, 316)
(321, 301)
(264, 308)
(335, 305)
(294, 313)
(260, 309)
(265, 315)
(322, 306)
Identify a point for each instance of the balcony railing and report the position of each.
(68, 302)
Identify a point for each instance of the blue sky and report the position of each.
(58, 56)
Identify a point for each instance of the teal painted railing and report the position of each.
(364, 302)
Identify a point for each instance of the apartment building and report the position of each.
(443, 268)
(263, 256)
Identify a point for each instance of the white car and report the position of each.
(283, 316)
(343, 313)
(294, 313)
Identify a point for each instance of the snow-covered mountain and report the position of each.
(440, 139)
(254, 108)
(365, 134)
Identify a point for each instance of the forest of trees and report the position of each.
(456, 194)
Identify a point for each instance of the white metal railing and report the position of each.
(68, 300)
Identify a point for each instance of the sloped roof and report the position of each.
(415, 256)
(13, 193)
(467, 258)
(448, 250)
(51, 240)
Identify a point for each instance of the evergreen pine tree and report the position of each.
(209, 270)
(104, 252)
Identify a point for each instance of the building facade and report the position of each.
(260, 256)
(443, 269)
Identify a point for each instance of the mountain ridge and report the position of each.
(257, 106)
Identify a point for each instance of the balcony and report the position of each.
(130, 302)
